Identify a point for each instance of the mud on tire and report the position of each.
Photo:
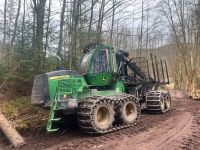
(158, 101)
(103, 116)
(128, 112)
(162, 105)
(96, 114)
(168, 102)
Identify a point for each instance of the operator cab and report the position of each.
(96, 66)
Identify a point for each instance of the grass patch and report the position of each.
(23, 115)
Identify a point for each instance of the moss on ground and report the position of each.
(23, 115)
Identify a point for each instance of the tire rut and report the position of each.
(192, 142)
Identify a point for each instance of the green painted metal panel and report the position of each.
(99, 79)
(76, 87)
(118, 87)
(68, 85)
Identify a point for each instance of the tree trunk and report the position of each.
(23, 26)
(16, 22)
(40, 11)
(11, 133)
(4, 28)
(112, 23)
(47, 31)
(11, 8)
(91, 18)
(100, 22)
(60, 43)
(140, 44)
(74, 25)
(33, 30)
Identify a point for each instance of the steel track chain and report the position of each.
(87, 107)
(153, 99)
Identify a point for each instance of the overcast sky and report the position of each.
(123, 19)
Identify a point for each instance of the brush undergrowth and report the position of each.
(23, 115)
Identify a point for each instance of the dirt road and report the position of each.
(177, 129)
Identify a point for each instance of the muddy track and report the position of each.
(177, 129)
(192, 142)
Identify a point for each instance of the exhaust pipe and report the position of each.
(59, 63)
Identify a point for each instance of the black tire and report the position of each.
(158, 101)
(128, 112)
(162, 105)
(96, 114)
(167, 102)
(103, 116)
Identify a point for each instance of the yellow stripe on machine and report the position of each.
(58, 77)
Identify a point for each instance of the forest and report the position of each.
(42, 43)
(34, 31)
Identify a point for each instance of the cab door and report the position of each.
(100, 70)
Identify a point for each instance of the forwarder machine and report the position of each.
(107, 93)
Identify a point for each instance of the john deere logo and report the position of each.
(104, 79)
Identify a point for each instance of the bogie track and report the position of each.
(92, 122)
(158, 101)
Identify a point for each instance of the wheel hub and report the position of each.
(130, 112)
(102, 115)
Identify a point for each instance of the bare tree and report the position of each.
(23, 25)
(47, 28)
(39, 7)
(73, 31)
(4, 28)
(113, 19)
(100, 21)
(60, 43)
(140, 37)
(93, 2)
(16, 22)
(188, 51)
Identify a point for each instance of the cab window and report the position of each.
(100, 62)
(84, 63)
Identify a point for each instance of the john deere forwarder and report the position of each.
(107, 93)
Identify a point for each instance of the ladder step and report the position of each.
(52, 130)
(60, 101)
(56, 109)
(56, 119)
